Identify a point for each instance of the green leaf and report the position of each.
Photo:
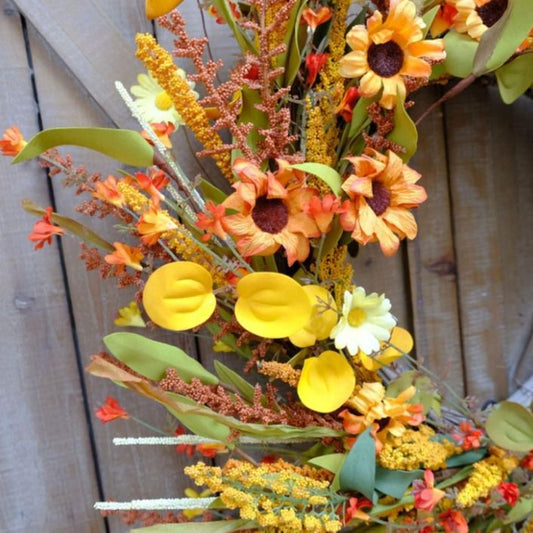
(510, 426)
(395, 482)
(358, 473)
(404, 133)
(242, 39)
(502, 39)
(220, 526)
(426, 394)
(360, 116)
(332, 461)
(428, 17)
(515, 78)
(151, 358)
(460, 52)
(466, 458)
(210, 192)
(295, 42)
(126, 146)
(327, 174)
(521, 510)
(231, 377)
(250, 114)
(72, 226)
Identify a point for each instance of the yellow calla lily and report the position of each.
(157, 8)
(214, 112)
(271, 305)
(326, 382)
(179, 296)
(320, 322)
(400, 338)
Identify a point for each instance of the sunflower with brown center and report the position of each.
(381, 192)
(475, 17)
(385, 52)
(269, 211)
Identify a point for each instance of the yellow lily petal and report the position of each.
(320, 322)
(157, 8)
(179, 296)
(271, 305)
(326, 382)
(400, 338)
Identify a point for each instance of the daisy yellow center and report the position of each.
(163, 101)
(380, 198)
(356, 317)
(270, 214)
(385, 59)
(492, 11)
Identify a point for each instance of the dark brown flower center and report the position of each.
(270, 215)
(385, 59)
(380, 199)
(492, 11)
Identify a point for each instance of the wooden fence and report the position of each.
(463, 286)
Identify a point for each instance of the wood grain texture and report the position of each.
(489, 149)
(47, 480)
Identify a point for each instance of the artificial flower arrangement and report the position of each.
(331, 424)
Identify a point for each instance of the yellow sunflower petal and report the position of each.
(158, 8)
(179, 296)
(320, 322)
(326, 382)
(271, 305)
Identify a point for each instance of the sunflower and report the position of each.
(269, 211)
(153, 101)
(384, 53)
(381, 192)
(475, 17)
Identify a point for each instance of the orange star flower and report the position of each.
(110, 411)
(443, 20)
(323, 210)
(354, 509)
(425, 494)
(210, 449)
(212, 221)
(163, 130)
(382, 191)
(269, 211)
(12, 141)
(153, 184)
(152, 223)
(345, 108)
(314, 63)
(108, 192)
(453, 522)
(467, 437)
(315, 18)
(125, 255)
(384, 53)
(44, 230)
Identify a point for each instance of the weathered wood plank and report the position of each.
(432, 269)
(489, 146)
(48, 479)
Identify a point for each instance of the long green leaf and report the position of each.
(467, 458)
(242, 39)
(72, 226)
(428, 17)
(332, 461)
(220, 526)
(395, 482)
(151, 358)
(510, 426)
(502, 39)
(295, 43)
(460, 52)
(126, 146)
(404, 133)
(231, 377)
(327, 174)
(360, 116)
(515, 78)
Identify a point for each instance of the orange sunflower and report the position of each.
(270, 211)
(381, 192)
(475, 17)
(385, 52)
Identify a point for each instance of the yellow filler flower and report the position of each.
(271, 305)
(326, 382)
(179, 296)
(130, 316)
(385, 52)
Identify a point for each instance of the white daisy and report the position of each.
(365, 321)
(153, 101)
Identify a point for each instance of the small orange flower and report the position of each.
(125, 255)
(163, 130)
(187, 449)
(527, 461)
(443, 20)
(152, 184)
(110, 411)
(269, 207)
(354, 509)
(382, 191)
(44, 230)
(314, 63)
(212, 221)
(210, 449)
(345, 108)
(467, 437)
(108, 192)
(322, 210)
(154, 222)
(211, 10)
(12, 141)
(453, 522)
(314, 18)
(510, 492)
(425, 494)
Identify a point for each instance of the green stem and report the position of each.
(149, 426)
